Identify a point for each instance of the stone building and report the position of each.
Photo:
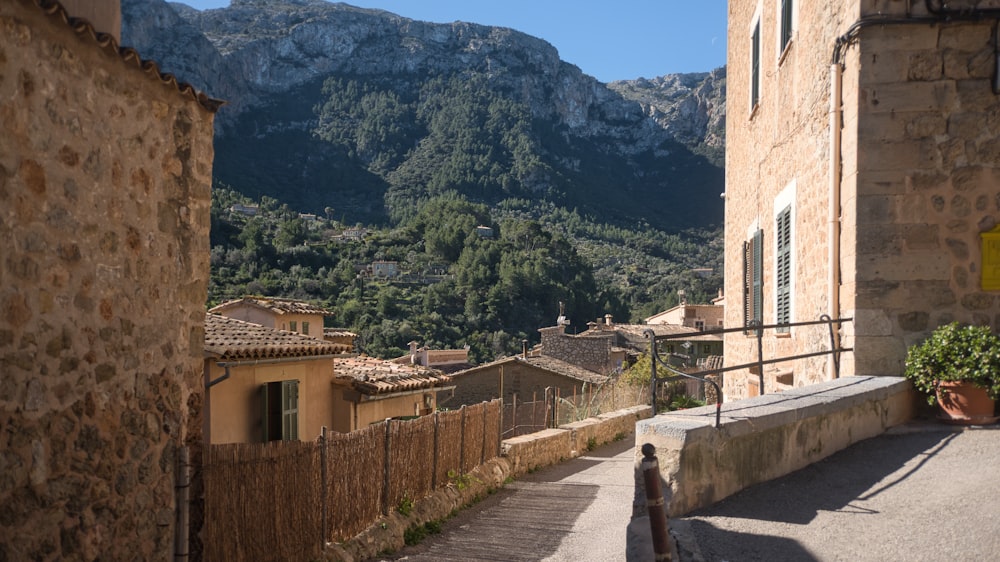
(368, 390)
(862, 171)
(105, 170)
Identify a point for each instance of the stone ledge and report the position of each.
(768, 436)
(527, 453)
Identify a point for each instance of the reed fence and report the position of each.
(284, 500)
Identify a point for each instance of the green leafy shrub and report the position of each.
(955, 353)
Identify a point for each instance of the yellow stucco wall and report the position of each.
(351, 414)
(235, 405)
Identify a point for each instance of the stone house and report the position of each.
(524, 376)
(862, 174)
(105, 171)
(264, 384)
(384, 269)
(277, 313)
(341, 336)
(445, 360)
(368, 390)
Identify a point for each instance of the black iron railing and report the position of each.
(758, 331)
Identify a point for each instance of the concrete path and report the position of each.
(572, 512)
(920, 492)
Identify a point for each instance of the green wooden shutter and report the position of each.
(783, 268)
(758, 276)
(289, 410)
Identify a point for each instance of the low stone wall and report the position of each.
(521, 455)
(762, 438)
(531, 452)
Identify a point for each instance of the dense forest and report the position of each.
(454, 284)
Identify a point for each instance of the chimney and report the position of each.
(524, 349)
(104, 15)
(607, 320)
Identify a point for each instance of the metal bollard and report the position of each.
(654, 503)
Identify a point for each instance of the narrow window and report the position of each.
(293, 325)
(281, 411)
(755, 66)
(785, 36)
(753, 279)
(305, 328)
(783, 268)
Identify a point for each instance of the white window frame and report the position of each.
(755, 34)
(783, 44)
(785, 200)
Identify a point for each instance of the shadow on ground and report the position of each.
(527, 520)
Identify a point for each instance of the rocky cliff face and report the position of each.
(259, 48)
(269, 59)
(691, 107)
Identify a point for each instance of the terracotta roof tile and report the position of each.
(234, 340)
(369, 375)
(276, 305)
(82, 27)
(550, 364)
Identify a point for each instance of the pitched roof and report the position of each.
(229, 339)
(636, 333)
(369, 375)
(83, 28)
(550, 364)
(275, 305)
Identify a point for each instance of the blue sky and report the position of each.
(617, 40)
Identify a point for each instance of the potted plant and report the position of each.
(958, 367)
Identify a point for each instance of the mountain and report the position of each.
(369, 113)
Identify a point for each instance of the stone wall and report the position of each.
(592, 352)
(780, 148)
(104, 215)
(522, 379)
(919, 176)
(928, 183)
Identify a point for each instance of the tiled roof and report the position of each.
(369, 375)
(637, 332)
(276, 305)
(338, 333)
(549, 364)
(234, 340)
(83, 28)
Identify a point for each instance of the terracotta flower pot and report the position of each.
(965, 403)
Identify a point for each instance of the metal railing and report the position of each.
(758, 330)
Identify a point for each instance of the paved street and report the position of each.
(925, 491)
(571, 512)
(922, 492)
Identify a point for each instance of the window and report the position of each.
(699, 325)
(753, 279)
(293, 325)
(783, 268)
(706, 349)
(305, 328)
(755, 65)
(281, 411)
(787, 25)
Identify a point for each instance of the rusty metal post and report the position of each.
(654, 503)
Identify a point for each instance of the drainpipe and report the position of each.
(833, 287)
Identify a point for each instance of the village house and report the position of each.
(384, 269)
(264, 384)
(697, 316)
(369, 390)
(105, 175)
(862, 179)
(340, 335)
(248, 210)
(278, 313)
(445, 360)
(526, 377)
